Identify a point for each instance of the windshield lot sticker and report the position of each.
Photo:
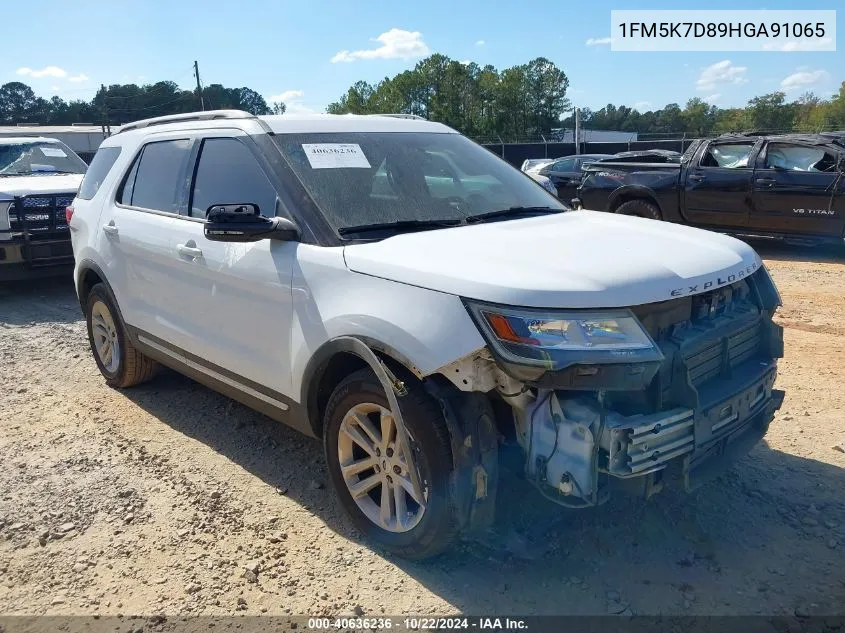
(335, 155)
(53, 152)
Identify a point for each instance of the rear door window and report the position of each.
(158, 179)
(99, 168)
(567, 164)
(799, 158)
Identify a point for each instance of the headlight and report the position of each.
(558, 339)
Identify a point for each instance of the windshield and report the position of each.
(26, 159)
(360, 179)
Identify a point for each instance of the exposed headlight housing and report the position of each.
(558, 339)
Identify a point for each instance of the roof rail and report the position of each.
(401, 115)
(185, 117)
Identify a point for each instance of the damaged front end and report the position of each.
(681, 389)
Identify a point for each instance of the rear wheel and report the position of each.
(121, 364)
(371, 467)
(640, 208)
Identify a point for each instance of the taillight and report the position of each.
(68, 214)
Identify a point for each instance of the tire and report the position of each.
(640, 208)
(126, 366)
(435, 528)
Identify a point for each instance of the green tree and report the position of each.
(771, 113)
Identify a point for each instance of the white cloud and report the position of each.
(395, 44)
(78, 78)
(287, 95)
(804, 78)
(720, 73)
(293, 102)
(712, 98)
(791, 46)
(54, 88)
(480, 43)
(599, 41)
(642, 105)
(47, 71)
(466, 62)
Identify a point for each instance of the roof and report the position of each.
(822, 138)
(298, 123)
(281, 124)
(8, 140)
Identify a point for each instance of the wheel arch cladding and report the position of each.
(626, 194)
(88, 276)
(332, 362)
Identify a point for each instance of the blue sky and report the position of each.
(296, 49)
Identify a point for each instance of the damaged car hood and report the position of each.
(11, 186)
(577, 259)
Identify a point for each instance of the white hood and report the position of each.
(11, 186)
(577, 259)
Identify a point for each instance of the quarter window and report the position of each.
(156, 180)
(99, 168)
(228, 173)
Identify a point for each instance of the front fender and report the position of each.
(422, 329)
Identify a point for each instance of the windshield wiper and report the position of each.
(400, 225)
(35, 173)
(511, 211)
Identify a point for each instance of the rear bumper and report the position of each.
(35, 259)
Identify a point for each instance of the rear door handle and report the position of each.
(110, 228)
(765, 181)
(189, 251)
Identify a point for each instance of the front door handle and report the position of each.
(110, 228)
(696, 177)
(186, 250)
(765, 181)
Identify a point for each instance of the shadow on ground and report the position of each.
(739, 545)
(779, 251)
(52, 300)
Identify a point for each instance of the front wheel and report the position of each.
(370, 467)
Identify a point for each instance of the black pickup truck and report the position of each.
(790, 187)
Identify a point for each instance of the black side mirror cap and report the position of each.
(243, 223)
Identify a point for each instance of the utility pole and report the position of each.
(105, 112)
(577, 131)
(199, 86)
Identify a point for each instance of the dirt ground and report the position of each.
(171, 499)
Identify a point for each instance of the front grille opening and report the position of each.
(41, 217)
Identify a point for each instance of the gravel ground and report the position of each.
(171, 499)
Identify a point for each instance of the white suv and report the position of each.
(389, 286)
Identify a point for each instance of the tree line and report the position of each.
(525, 100)
(522, 102)
(528, 101)
(766, 113)
(121, 103)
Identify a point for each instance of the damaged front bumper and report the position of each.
(579, 450)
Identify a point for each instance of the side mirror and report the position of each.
(244, 223)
